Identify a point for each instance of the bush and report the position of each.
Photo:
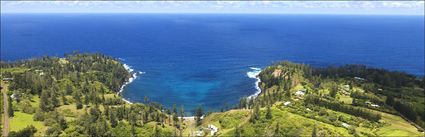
(38, 116)
(26, 132)
(26, 107)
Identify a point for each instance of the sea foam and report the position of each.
(131, 79)
(254, 74)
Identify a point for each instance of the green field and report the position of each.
(22, 120)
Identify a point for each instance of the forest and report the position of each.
(77, 95)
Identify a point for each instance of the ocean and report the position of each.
(209, 59)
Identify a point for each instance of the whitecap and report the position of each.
(131, 79)
(254, 74)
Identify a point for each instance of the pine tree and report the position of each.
(238, 131)
(277, 130)
(314, 134)
(45, 104)
(269, 113)
(113, 120)
(77, 98)
(198, 114)
(181, 113)
(10, 108)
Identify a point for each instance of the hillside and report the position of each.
(352, 100)
(76, 95)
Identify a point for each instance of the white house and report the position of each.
(198, 133)
(300, 93)
(345, 125)
(286, 103)
(213, 129)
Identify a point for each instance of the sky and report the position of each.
(257, 7)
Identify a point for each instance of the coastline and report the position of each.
(130, 80)
(254, 74)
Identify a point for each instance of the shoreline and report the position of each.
(254, 74)
(130, 80)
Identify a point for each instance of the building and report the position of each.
(213, 129)
(300, 93)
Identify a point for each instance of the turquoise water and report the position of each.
(203, 59)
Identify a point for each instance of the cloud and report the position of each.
(349, 7)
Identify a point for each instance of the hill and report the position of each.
(351, 100)
(76, 95)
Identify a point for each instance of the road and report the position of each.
(5, 131)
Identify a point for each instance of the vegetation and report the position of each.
(77, 96)
(350, 100)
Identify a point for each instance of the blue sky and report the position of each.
(259, 7)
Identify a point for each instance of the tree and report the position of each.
(269, 113)
(77, 98)
(26, 132)
(238, 131)
(182, 113)
(122, 130)
(113, 120)
(53, 98)
(333, 90)
(54, 131)
(45, 104)
(10, 108)
(277, 129)
(314, 132)
(255, 114)
(175, 117)
(156, 132)
(64, 100)
(198, 114)
(390, 100)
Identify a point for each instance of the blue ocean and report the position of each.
(205, 59)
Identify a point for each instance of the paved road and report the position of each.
(6, 112)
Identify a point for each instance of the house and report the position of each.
(371, 104)
(345, 125)
(213, 129)
(300, 93)
(7, 79)
(198, 133)
(286, 103)
(374, 105)
(359, 78)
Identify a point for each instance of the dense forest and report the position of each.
(76, 95)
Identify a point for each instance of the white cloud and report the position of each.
(350, 7)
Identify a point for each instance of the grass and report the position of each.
(22, 120)
(346, 99)
(397, 126)
(14, 70)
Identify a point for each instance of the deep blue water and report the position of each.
(200, 59)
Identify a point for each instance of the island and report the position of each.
(79, 95)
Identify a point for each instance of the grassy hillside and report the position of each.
(298, 100)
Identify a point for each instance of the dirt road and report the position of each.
(5, 131)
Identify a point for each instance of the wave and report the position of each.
(131, 79)
(254, 74)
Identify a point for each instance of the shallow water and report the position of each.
(203, 59)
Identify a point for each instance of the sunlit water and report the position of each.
(204, 59)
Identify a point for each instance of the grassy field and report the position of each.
(346, 99)
(22, 120)
(397, 126)
(14, 70)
